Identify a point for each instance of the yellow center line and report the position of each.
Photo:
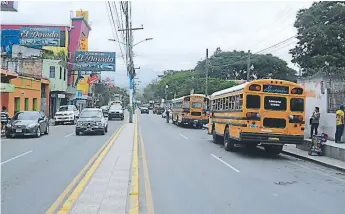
(134, 190)
(148, 193)
(64, 194)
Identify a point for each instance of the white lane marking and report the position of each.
(225, 163)
(183, 136)
(325, 174)
(18, 156)
(69, 134)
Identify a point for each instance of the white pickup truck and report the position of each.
(66, 114)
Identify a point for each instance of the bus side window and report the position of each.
(227, 103)
(241, 101)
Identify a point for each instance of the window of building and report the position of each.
(26, 104)
(34, 104)
(62, 38)
(52, 72)
(64, 73)
(60, 73)
(16, 104)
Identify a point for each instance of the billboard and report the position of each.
(39, 37)
(82, 13)
(94, 61)
(9, 6)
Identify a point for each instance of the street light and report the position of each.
(147, 39)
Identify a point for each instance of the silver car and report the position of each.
(91, 120)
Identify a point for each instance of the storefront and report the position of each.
(6, 87)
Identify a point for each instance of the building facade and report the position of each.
(57, 75)
(326, 90)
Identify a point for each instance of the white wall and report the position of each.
(318, 97)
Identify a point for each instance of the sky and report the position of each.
(181, 30)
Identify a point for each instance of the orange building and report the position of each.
(29, 94)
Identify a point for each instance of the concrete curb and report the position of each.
(314, 161)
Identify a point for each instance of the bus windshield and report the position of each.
(196, 105)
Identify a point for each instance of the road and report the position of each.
(188, 174)
(35, 171)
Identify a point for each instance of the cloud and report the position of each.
(181, 30)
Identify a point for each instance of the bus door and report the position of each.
(275, 114)
(196, 107)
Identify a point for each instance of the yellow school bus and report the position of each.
(269, 112)
(191, 110)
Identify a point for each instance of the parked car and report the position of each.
(91, 120)
(66, 114)
(144, 110)
(27, 123)
(116, 111)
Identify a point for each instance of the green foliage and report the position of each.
(180, 83)
(104, 94)
(233, 65)
(51, 55)
(321, 35)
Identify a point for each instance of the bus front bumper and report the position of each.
(194, 121)
(271, 138)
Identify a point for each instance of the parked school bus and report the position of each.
(268, 112)
(191, 110)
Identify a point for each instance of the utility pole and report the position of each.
(206, 66)
(129, 54)
(248, 66)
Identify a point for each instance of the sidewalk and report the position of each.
(107, 191)
(323, 160)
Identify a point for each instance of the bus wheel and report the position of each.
(228, 142)
(273, 150)
(216, 138)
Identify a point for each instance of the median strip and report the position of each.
(95, 160)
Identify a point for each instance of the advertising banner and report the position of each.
(83, 85)
(94, 61)
(83, 44)
(93, 79)
(39, 37)
(9, 6)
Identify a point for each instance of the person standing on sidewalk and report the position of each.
(340, 123)
(314, 122)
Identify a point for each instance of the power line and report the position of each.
(113, 26)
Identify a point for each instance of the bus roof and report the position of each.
(243, 85)
(229, 90)
(181, 98)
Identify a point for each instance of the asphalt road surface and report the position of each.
(191, 175)
(35, 171)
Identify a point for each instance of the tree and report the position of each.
(233, 65)
(321, 35)
(180, 83)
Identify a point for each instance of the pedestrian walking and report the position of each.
(340, 122)
(314, 122)
(4, 118)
